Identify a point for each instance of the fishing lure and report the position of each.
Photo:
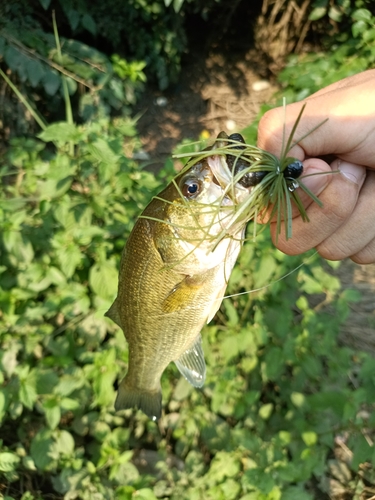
(273, 181)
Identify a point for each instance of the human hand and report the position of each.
(345, 225)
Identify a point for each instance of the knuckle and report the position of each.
(269, 126)
(340, 205)
(365, 256)
(331, 249)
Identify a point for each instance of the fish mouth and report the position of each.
(223, 177)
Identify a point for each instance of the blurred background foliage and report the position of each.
(281, 393)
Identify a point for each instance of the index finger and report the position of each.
(348, 134)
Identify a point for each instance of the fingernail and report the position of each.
(354, 173)
(316, 183)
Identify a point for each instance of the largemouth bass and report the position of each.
(173, 274)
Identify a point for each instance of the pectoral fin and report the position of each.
(182, 295)
(192, 365)
(114, 314)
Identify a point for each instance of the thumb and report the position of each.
(318, 175)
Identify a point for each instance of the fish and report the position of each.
(173, 274)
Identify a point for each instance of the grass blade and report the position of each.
(25, 102)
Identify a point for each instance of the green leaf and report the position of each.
(351, 295)
(317, 13)
(335, 14)
(145, 494)
(35, 71)
(13, 57)
(27, 392)
(69, 383)
(101, 151)
(231, 313)
(295, 493)
(332, 400)
(2, 405)
(69, 404)
(51, 81)
(52, 412)
(362, 451)
(64, 443)
(46, 380)
(69, 258)
(309, 438)
(59, 132)
(297, 399)
(41, 449)
(103, 280)
(73, 18)
(266, 268)
(88, 23)
(2, 46)
(259, 479)
(72, 85)
(103, 374)
(19, 247)
(265, 411)
(358, 28)
(45, 3)
(273, 365)
(222, 466)
(8, 461)
(362, 15)
(177, 4)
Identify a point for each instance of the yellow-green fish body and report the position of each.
(173, 274)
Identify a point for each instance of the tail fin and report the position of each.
(147, 401)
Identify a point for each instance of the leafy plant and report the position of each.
(33, 57)
(278, 388)
(346, 53)
(280, 391)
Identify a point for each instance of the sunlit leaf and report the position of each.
(59, 132)
(41, 449)
(103, 280)
(8, 461)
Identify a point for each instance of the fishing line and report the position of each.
(272, 282)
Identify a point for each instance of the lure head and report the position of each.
(294, 169)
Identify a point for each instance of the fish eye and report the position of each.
(190, 188)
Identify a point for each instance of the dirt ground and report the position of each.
(212, 95)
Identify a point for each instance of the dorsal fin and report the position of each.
(192, 365)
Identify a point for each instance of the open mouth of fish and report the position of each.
(224, 177)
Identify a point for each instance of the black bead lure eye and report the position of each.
(293, 170)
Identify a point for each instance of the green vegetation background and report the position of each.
(280, 391)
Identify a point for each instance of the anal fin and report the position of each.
(192, 365)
